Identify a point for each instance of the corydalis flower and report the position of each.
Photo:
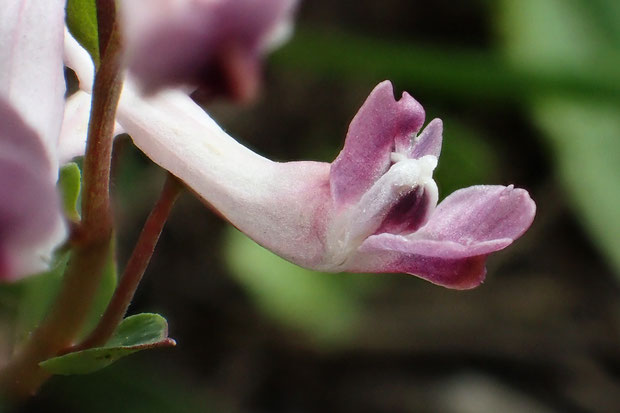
(31, 111)
(372, 210)
(216, 44)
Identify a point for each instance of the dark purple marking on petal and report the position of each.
(458, 274)
(429, 141)
(379, 125)
(455, 273)
(408, 214)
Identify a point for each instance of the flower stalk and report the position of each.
(22, 376)
(138, 262)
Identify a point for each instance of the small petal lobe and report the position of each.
(381, 124)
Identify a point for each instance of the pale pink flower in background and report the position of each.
(32, 90)
(217, 45)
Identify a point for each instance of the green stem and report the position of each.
(23, 376)
(138, 262)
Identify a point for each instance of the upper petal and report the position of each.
(379, 125)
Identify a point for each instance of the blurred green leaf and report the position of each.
(104, 292)
(458, 73)
(325, 306)
(135, 333)
(585, 137)
(584, 132)
(69, 185)
(466, 159)
(132, 387)
(37, 296)
(82, 23)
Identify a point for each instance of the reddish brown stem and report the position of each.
(23, 376)
(136, 266)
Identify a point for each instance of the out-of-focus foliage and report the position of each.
(466, 159)
(324, 306)
(460, 74)
(37, 294)
(129, 388)
(556, 36)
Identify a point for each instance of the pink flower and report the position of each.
(371, 210)
(216, 44)
(31, 111)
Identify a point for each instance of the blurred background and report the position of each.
(529, 92)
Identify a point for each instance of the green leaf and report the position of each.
(135, 333)
(69, 182)
(82, 23)
(37, 296)
(324, 306)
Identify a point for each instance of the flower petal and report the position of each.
(30, 221)
(281, 206)
(379, 125)
(481, 213)
(78, 59)
(74, 132)
(429, 141)
(466, 227)
(460, 273)
(31, 69)
(181, 41)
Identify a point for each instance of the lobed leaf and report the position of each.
(135, 333)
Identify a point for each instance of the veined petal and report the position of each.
(31, 69)
(381, 124)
